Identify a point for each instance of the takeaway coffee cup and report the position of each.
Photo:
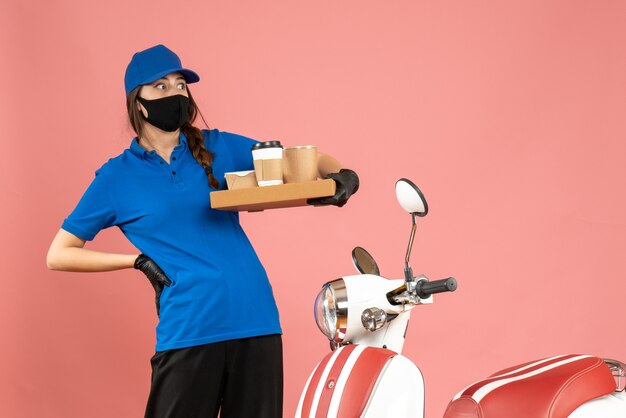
(268, 162)
(240, 179)
(300, 164)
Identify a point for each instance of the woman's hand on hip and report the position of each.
(155, 275)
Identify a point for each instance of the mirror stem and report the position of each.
(408, 272)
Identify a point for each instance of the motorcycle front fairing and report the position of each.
(366, 376)
(367, 291)
(366, 382)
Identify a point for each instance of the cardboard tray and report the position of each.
(256, 199)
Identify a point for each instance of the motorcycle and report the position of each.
(365, 318)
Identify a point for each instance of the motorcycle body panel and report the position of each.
(608, 406)
(360, 381)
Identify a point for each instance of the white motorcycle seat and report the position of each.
(548, 388)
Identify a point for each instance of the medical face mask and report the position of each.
(167, 113)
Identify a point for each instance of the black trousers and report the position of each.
(240, 378)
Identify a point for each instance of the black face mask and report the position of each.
(168, 113)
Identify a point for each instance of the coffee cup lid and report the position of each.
(266, 144)
(301, 147)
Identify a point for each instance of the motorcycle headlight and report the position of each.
(331, 310)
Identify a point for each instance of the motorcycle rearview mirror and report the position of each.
(411, 197)
(413, 201)
(364, 262)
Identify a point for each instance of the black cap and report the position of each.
(267, 144)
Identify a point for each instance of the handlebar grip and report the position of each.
(425, 288)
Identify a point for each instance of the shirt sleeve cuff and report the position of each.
(80, 233)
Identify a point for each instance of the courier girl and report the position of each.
(218, 339)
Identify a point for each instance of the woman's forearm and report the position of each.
(82, 259)
(327, 164)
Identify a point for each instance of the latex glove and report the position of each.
(153, 272)
(347, 183)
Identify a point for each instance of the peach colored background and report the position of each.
(508, 114)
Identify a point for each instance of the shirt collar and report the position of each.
(143, 153)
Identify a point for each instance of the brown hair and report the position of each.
(194, 135)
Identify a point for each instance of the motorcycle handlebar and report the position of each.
(425, 288)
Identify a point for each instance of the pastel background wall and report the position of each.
(508, 114)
